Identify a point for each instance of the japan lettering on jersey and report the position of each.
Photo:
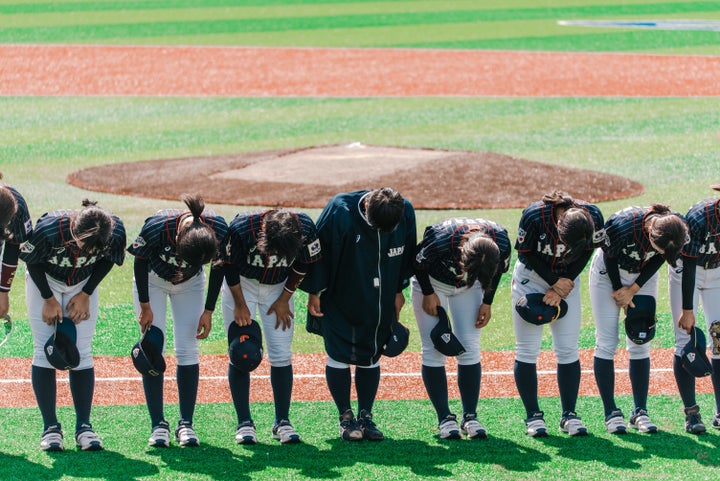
(156, 243)
(703, 220)
(52, 244)
(438, 252)
(626, 239)
(268, 269)
(538, 233)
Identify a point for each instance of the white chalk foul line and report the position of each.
(674, 24)
(313, 376)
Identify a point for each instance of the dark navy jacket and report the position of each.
(361, 271)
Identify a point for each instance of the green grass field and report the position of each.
(670, 145)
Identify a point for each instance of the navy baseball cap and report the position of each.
(399, 338)
(640, 321)
(693, 357)
(443, 338)
(533, 310)
(245, 346)
(147, 354)
(61, 349)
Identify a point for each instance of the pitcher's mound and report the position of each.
(308, 177)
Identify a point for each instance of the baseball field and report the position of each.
(629, 88)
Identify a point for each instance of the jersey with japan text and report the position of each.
(703, 221)
(156, 243)
(439, 250)
(626, 239)
(51, 244)
(268, 269)
(537, 233)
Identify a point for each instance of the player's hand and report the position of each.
(283, 313)
(145, 316)
(78, 308)
(687, 320)
(430, 304)
(399, 303)
(313, 305)
(241, 315)
(483, 317)
(204, 325)
(4, 303)
(51, 311)
(623, 296)
(563, 287)
(552, 298)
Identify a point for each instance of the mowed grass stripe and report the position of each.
(159, 23)
(459, 121)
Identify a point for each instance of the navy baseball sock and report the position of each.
(240, 391)
(281, 379)
(527, 386)
(82, 388)
(640, 381)
(435, 380)
(716, 382)
(605, 380)
(568, 379)
(153, 387)
(45, 387)
(188, 378)
(338, 381)
(367, 381)
(685, 383)
(469, 386)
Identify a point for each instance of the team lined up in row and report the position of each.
(354, 264)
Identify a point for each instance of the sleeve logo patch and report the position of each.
(314, 247)
(139, 242)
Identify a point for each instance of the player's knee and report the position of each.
(605, 352)
(431, 357)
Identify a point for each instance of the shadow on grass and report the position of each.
(77, 464)
(426, 460)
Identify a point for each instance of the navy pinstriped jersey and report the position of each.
(52, 245)
(21, 223)
(704, 222)
(156, 242)
(439, 250)
(538, 233)
(626, 239)
(242, 249)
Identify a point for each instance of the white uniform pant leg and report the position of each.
(463, 305)
(528, 337)
(278, 342)
(607, 314)
(158, 292)
(187, 303)
(41, 332)
(707, 290)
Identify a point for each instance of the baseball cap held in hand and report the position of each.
(443, 338)
(533, 310)
(61, 349)
(399, 338)
(693, 357)
(245, 346)
(147, 355)
(640, 320)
